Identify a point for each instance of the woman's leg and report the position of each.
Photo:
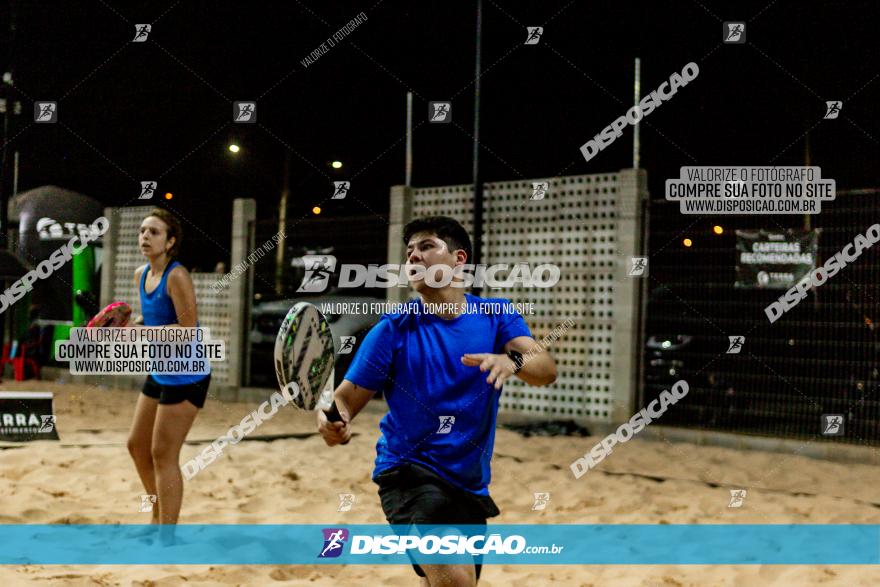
(173, 422)
(140, 442)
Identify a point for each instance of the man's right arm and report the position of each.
(350, 399)
(370, 366)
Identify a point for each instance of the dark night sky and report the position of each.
(162, 109)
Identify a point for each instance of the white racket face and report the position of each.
(304, 353)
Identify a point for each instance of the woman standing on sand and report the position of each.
(168, 404)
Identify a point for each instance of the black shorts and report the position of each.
(412, 494)
(174, 394)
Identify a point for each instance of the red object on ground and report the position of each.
(19, 362)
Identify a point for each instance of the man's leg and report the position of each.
(450, 575)
(409, 497)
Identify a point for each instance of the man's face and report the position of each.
(425, 250)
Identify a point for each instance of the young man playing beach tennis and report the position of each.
(441, 373)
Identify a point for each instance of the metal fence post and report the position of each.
(626, 304)
(108, 256)
(400, 213)
(244, 213)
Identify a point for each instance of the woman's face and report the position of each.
(153, 237)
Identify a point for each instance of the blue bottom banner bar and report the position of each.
(370, 544)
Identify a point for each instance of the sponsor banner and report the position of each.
(55, 261)
(371, 544)
(774, 260)
(26, 416)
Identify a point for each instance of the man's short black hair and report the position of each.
(446, 228)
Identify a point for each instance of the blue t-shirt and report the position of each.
(415, 360)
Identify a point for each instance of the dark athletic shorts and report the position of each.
(412, 494)
(174, 394)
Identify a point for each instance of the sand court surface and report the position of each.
(88, 478)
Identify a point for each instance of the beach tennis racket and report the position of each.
(115, 314)
(304, 355)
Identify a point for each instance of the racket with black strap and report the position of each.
(304, 355)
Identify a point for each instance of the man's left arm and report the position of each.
(536, 367)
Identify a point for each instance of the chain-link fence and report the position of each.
(818, 358)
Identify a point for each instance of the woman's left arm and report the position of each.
(183, 296)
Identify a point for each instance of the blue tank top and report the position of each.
(158, 310)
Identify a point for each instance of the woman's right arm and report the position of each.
(138, 320)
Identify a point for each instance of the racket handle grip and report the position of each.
(333, 415)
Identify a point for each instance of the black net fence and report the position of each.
(790, 378)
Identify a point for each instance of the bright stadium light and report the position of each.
(336, 165)
(234, 148)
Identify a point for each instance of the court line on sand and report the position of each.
(655, 478)
(259, 438)
(660, 479)
(712, 484)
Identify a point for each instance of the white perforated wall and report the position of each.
(128, 256)
(214, 313)
(214, 307)
(575, 227)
